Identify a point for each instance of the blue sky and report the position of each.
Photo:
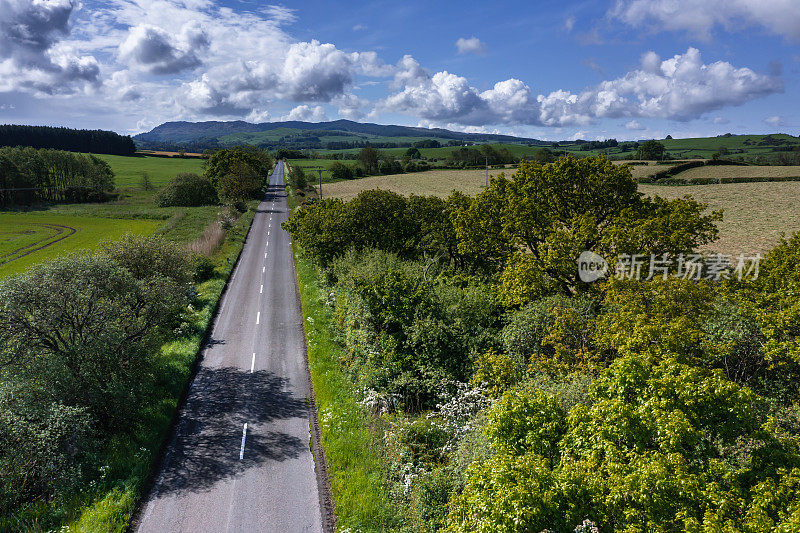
(593, 69)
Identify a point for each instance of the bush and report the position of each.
(187, 190)
(340, 171)
(78, 340)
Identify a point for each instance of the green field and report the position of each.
(28, 238)
(128, 170)
(313, 175)
(25, 236)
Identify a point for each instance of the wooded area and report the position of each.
(86, 141)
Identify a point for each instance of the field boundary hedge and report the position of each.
(716, 181)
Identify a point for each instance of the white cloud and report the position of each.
(720, 120)
(306, 113)
(569, 23)
(700, 17)
(473, 45)
(775, 121)
(158, 51)
(634, 125)
(678, 88)
(351, 107)
(32, 57)
(257, 116)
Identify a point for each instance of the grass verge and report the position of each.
(353, 449)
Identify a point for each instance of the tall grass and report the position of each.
(207, 243)
(353, 450)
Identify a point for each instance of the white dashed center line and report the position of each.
(244, 436)
(258, 317)
(253, 363)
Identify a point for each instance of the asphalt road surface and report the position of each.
(240, 459)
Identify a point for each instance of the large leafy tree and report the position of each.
(540, 220)
(238, 173)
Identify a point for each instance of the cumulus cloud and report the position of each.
(720, 120)
(307, 113)
(473, 45)
(699, 18)
(634, 125)
(775, 121)
(157, 51)
(569, 23)
(678, 88)
(351, 107)
(32, 56)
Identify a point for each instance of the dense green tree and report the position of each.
(413, 153)
(656, 450)
(369, 158)
(78, 337)
(651, 150)
(340, 171)
(187, 189)
(543, 156)
(29, 175)
(86, 141)
(297, 178)
(240, 162)
(539, 221)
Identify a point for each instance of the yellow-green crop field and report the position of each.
(737, 172)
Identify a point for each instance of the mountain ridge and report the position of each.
(185, 131)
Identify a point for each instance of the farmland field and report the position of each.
(128, 170)
(734, 172)
(432, 182)
(312, 175)
(755, 214)
(28, 238)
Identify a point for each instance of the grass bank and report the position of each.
(109, 502)
(353, 447)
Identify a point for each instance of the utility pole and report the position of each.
(487, 170)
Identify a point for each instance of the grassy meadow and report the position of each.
(21, 230)
(131, 210)
(128, 170)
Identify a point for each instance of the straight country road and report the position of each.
(240, 459)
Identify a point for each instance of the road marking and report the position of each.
(263, 269)
(265, 255)
(261, 291)
(267, 233)
(253, 363)
(244, 436)
(258, 317)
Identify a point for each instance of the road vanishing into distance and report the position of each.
(240, 459)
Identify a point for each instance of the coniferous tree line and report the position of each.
(94, 141)
(30, 175)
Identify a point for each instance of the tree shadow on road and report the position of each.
(208, 437)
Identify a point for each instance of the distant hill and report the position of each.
(335, 134)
